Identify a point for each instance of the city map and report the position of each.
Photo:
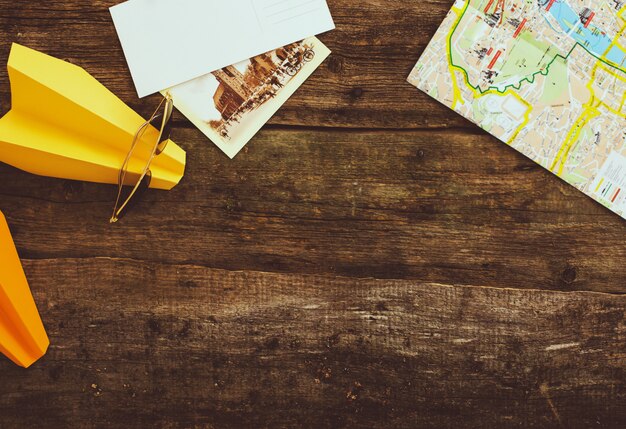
(547, 77)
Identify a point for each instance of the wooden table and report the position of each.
(369, 260)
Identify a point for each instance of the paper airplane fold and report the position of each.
(63, 123)
(23, 338)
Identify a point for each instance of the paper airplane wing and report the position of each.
(23, 338)
(63, 123)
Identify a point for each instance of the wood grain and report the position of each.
(369, 260)
(436, 206)
(149, 343)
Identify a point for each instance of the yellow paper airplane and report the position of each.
(23, 338)
(63, 123)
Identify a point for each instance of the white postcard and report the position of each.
(168, 42)
(231, 105)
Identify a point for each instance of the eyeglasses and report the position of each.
(127, 196)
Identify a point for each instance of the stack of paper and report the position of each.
(231, 105)
(170, 42)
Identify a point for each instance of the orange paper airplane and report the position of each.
(23, 338)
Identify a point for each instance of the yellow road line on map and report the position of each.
(588, 114)
(456, 92)
(623, 79)
(590, 110)
(599, 184)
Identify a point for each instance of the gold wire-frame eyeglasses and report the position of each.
(161, 120)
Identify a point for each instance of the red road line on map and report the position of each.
(616, 194)
(520, 28)
(489, 51)
(550, 5)
(590, 18)
(488, 7)
(493, 62)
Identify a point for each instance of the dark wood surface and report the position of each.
(371, 259)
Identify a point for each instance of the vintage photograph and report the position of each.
(230, 105)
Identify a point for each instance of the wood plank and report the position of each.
(220, 304)
(435, 206)
(139, 344)
(363, 84)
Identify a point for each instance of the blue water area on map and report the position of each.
(596, 42)
(616, 55)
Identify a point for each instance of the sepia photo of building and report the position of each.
(232, 104)
(241, 92)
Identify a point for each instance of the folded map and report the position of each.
(547, 77)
